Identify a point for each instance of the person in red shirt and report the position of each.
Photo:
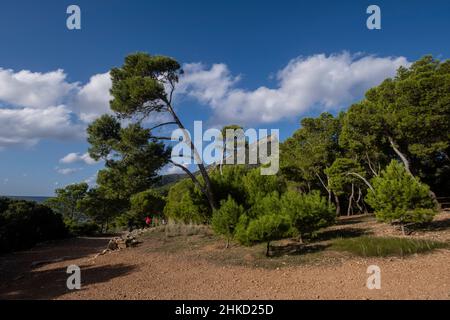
(148, 221)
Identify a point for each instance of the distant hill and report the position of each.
(28, 198)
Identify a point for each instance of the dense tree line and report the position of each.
(388, 154)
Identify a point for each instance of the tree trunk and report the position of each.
(338, 205)
(268, 249)
(350, 200)
(359, 199)
(363, 179)
(401, 156)
(408, 168)
(326, 188)
(208, 189)
(370, 165)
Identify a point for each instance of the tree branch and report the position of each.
(189, 173)
(163, 124)
(363, 179)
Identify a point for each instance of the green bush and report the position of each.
(185, 203)
(400, 198)
(268, 204)
(258, 186)
(225, 220)
(228, 181)
(147, 203)
(24, 224)
(268, 228)
(308, 212)
(77, 229)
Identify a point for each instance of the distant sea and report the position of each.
(28, 198)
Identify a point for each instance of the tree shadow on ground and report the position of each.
(352, 220)
(15, 264)
(436, 225)
(296, 249)
(52, 283)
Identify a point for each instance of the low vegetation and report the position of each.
(385, 246)
(24, 224)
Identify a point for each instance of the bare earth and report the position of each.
(157, 269)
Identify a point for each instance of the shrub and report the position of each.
(308, 212)
(143, 204)
(225, 220)
(24, 223)
(269, 204)
(400, 198)
(228, 181)
(185, 203)
(258, 186)
(268, 228)
(87, 228)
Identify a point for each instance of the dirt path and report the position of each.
(148, 273)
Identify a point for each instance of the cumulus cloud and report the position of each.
(316, 82)
(36, 106)
(34, 89)
(27, 126)
(92, 100)
(77, 157)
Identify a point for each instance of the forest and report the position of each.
(388, 155)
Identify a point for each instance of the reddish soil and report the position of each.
(152, 271)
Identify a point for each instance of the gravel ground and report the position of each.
(145, 272)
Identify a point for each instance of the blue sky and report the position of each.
(264, 64)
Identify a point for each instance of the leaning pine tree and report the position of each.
(143, 88)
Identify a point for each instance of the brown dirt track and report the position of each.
(188, 269)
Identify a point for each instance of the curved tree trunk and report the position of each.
(407, 165)
(350, 201)
(208, 189)
(338, 205)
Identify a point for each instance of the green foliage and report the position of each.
(268, 204)
(228, 181)
(267, 228)
(385, 246)
(308, 212)
(310, 150)
(399, 197)
(66, 200)
(87, 228)
(413, 110)
(225, 219)
(97, 206)
(24, 223)
(147, 203)
(138, 86)
(341, 175)
(132, 159)
(185, 203)
(257, 186)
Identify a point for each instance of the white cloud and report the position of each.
(67, 171)
(27, 126)
(36, 106)
(318, 81)
(34, 89)
(77, 157)
(92, 100)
